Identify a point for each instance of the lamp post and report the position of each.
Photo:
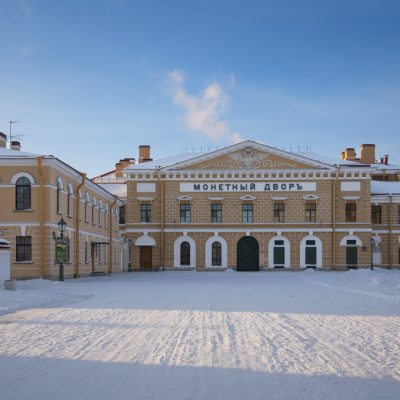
(372, 242)
(129, 255)
(62, 245)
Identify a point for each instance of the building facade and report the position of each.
(253, 207)
(36, 191)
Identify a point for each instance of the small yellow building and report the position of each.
(36, 191)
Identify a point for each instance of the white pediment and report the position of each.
(249, 155)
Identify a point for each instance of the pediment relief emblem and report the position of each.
(249, 158)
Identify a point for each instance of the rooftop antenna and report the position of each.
(11, 124)
(13, 137)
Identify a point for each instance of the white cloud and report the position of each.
(202, 113)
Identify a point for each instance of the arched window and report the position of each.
(94, 203)
(185, 253)
(70, 192)
(216, 254)
(58, 194)
(23, 193)
(100, 207)
(106, 216)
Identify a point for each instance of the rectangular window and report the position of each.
(398, 214)
(122, 215)
(99, 216)
(145, 213)
(185, 212)
(279, 212)
(216, 212)
(247, 213)
(311, 212)
(86, 211)
(376, 214)
(23, 248)
(93, 214)
(351, 212)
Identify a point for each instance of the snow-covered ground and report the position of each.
(215, 335)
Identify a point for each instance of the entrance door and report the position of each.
(377, 256)
(247, 254)
(351, 256)
(279, 257)
(311, 256)
(146, 257)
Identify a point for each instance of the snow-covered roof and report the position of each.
(379, 187)
(117, 189)
(326, 159)
(181, 157)
(320, 158)
(8, 153)
(166, 161)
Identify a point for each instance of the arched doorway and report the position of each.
(351, 243)
(311, 252)
(247, 254)
(279, 252)
(185, 254)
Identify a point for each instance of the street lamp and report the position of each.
(129, 255)
(61, 227)
(61, 248)
(372, 242)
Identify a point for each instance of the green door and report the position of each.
(311, 256)
(351, 256)
(247, 254)
(279, 256)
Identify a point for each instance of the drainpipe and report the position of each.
(41, 215)
(390, 230)
(110, 228)
(334, 186)
(161, 184)
(77, 220)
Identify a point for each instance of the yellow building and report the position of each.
(250, 207)
(36, 191)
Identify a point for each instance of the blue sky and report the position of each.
(91, 80)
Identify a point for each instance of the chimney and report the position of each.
(367, 153)
(386, 159)
(122, 164)
(15, 145)
(144, 153)
(350, 154)
(3, 139)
